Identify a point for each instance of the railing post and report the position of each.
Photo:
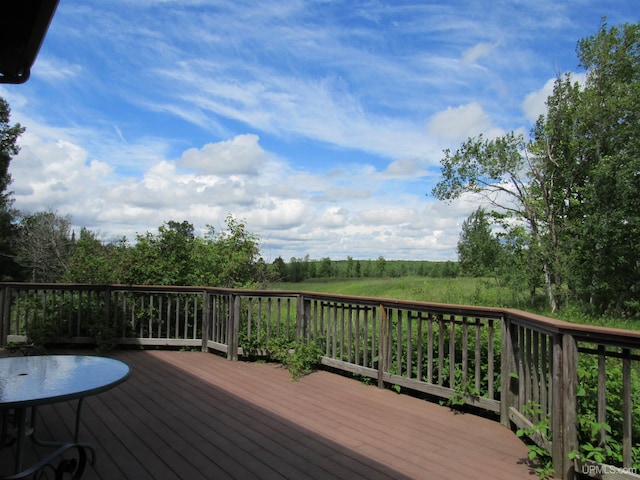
(235, 303)
(557, 410)
(107, 306)
(4, 317)
(303, 319)
(564, 434)
(383, 345)
(206, 320)
(508, 370)
(570, 404)
(627, 407)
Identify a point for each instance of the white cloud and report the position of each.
(53, 69)
(241, 155)
(405, 168)
(357, 221)
(535, 103)
(475, 53)
(458, 123)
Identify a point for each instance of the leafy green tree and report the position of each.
(229, 258)
(94, 262)
(9, 134)
(326, 268)
(574, 185)
(381, 266)
(311, 267)
(519, 267)
(162, 258)
(478, 248)
(606, 228)
(172, 256)
(500, 172)
(350, 269)
(296, 270)
(280, 270)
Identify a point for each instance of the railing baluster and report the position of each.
(478, 356)
(627, 406)
(341, 332)
(259, 322)
(365, 338)
(526, 380)
(398, 338)
(522, 383)
(440, 350)
(420, 342)
(544, 377)
(452, 352)
(465, 350)
(490, 362)
(374, 336)
(430, 348)
(602, 395)
(269, 318)
(409, 348)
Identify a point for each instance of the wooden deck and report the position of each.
(190, 415)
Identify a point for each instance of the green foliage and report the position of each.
(464, 390)
(539, 456)
(303, 269)
(299, 358)
(172, 256)
(105, 335)
(46, 317)
(228, 258)
(602, 441)
(93, 262)
(478, 249)
(574, 185)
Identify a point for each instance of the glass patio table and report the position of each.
(29, 382)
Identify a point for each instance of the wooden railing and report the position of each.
(524, 369)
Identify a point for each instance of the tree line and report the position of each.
(47, 250)
(306, 268)
(563, 207)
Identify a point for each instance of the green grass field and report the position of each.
(461, 291)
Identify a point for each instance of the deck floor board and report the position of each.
(192, 415)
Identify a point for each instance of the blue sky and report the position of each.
(320, 123)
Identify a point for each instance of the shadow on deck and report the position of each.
(190, 415)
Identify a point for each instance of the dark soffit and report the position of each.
(23, 26)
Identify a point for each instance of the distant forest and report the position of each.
(300, 269)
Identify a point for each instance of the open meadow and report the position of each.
(461, 291)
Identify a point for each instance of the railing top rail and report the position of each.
(148, 288)
(92, 286)
(582, 333)
(427, 307)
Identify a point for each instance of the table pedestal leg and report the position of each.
(52, 443)
(21, 418)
